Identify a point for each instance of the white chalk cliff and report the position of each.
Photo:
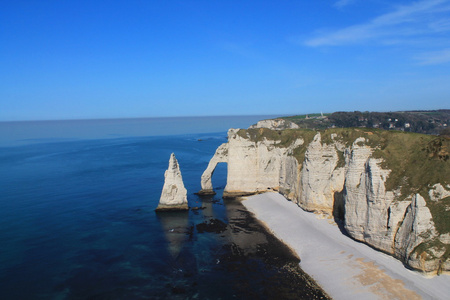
(341, 179)
(275, 124)
(174, 194)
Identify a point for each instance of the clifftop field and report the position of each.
(428, 122)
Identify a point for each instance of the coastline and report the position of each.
(344, 268)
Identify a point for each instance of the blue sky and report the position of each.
(108, 59)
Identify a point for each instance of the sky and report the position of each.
(76, 59)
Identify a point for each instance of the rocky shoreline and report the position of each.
(223, 251)
(253, 252)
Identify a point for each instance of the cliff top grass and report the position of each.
(441, 215)
(283, 138)
(417, 161)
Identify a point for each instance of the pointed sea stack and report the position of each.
(174, 194)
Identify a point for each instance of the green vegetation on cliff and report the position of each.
(282, 138)
(438, 209)
(417, 161)
(423, 251)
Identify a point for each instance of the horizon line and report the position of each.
(134, 118)
(212, 116)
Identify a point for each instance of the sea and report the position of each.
(77, 217)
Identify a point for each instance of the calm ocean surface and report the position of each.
(78, 221)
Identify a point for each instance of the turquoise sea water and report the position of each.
(78, 221)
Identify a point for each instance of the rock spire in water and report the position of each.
(174, 194)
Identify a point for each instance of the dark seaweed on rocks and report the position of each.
(213, 225)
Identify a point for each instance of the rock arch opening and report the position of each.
(214, 179)
(221, 156)
(219, 177)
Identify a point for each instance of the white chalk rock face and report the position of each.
(367, 203)
(220, 156)
(275, 124)
(252, 167)
(174, 194)
(438, 192)
(290, 178)
(417, 227)
(321, 177)
(255, 167)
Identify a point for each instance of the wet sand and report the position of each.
(344, 268)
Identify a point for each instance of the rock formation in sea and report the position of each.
(388, 189)
(174, 194)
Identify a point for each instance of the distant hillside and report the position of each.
(428, 122)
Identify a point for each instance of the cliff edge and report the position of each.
(388, 189)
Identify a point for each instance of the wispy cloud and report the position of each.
(435, 57)
(342, 3)
(425, 17)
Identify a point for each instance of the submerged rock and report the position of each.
(214, 225)
(174, 194)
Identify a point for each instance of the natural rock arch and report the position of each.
(221, 156)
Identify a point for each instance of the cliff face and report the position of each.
(321, 176)
(369, 181)
(276, 124)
